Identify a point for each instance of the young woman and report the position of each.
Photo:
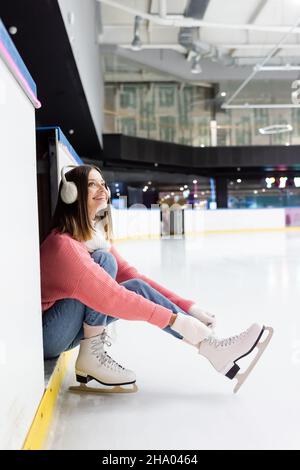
(86, 284)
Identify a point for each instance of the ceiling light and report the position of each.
(282, 182)
(297, 181)
(136, 44)
(270, 181)
(279, 68)
(13, 30)
(196, 67)
(276, 129)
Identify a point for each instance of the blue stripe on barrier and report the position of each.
(64, 141)
(15, 56)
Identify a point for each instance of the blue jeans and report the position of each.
(63, 322)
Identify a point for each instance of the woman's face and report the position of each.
(97, 193)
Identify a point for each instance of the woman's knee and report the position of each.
(61, 324)
(106, 260)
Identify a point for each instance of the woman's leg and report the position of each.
(63, 322)
(108, 262)
(144, 289)
(62, 326)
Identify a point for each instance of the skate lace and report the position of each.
(98, 350)
(225, 341)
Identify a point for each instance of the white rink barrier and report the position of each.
(197, 221)
(136, 223)
(139, 223)
(21, 352)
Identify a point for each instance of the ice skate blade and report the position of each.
(261, 345)
(82, 388)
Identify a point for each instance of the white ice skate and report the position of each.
(224, 353)
(93, 363)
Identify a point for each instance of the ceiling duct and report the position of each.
(189, 37)
(136, 44)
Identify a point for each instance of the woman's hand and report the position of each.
(191, 329)
(207, 318)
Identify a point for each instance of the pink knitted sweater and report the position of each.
(68, 271)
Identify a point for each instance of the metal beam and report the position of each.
(260, 106)
(182, 21)
(256, 12)
(265, 60)
(255, 46)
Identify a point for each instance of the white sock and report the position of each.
(90, 331)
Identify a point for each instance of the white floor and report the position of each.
(182, 402)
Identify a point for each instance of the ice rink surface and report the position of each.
(182, 402)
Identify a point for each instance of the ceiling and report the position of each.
(228, 39)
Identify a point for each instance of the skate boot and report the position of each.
(93, 363)
(223, 354)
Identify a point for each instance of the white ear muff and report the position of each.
(109, 193)
(68, 192)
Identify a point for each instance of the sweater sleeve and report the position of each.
(96, 289)
(126, 272)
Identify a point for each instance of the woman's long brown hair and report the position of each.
(73, 218)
